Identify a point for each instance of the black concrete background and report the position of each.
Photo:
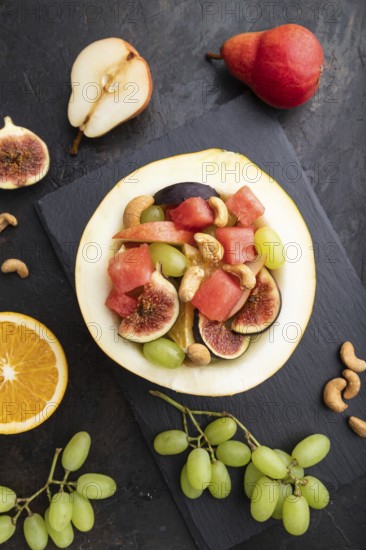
(38, 43)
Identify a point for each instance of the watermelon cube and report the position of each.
(245, 206)
(193, 213)
(238, 243)
(122, 304)
(131, 268)
(217, 296)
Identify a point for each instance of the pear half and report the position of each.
(296, 280)
(111, 83)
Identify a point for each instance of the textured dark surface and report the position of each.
(288, 406)
(38, 43)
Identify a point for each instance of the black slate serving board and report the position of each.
(286, 407)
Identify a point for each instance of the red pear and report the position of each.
(282, 65)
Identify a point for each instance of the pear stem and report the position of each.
(210, 55)
(76, 142)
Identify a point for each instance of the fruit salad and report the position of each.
(193, 275)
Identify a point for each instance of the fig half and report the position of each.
(179, 192)
(261, 308)
(156, 311)
(24, 157)
(218, 338)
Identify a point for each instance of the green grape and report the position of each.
(63, 538)
(152, 214)
(199, 468)
(264, 498)
(220, 430)
(186, 487)
(295, 471)
(315, 492)
(76, 451)
(171, 442)
(220, 484)
(295, 515)
(60, 510)
(268, 242)
(35, 532)
(7, 499)
(285, 491)
(96, 486)
(268, 462)
(82, 512)
(164, 352)
(233, 453)
(173, 262)
(311, 450)
(251, 476)
(7, 528)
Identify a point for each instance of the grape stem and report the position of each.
(252, 441)
(46, 487)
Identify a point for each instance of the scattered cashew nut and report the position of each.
(353, 383)
(190, 283)
(357, 425)
(220, 211)
(199, 354)
(210, 248)
(7, 219)
(332, 395)
(12, 265)
(350, 359)
(245, 274)
(134, 209)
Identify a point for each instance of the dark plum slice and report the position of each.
(179, 192)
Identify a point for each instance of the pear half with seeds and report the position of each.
(111, 83)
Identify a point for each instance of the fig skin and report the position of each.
(179, 192)
(156, 311)
(24, 157)
(282, 65)
(222, 342)
(261, 309)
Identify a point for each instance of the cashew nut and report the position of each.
(134, 209)
(350, 359)
(190, 283)
(245, 274)
(220, 211)
(357, 425)
(353, 383)
(332, 394)
(7, 219)
(199, 354)
(12, 265)
(210, 248)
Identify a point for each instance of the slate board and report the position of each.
(286, 407)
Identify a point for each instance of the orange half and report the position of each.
(33, 373)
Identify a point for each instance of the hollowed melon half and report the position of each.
(268, 352)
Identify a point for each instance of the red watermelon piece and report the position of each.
(193, 213)
(217, 296)
(122, 304)
(131, 268)
(245, 206)
(238, 243)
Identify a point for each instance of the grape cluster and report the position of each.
(69, 507)
(276, 484)
(274, 481)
